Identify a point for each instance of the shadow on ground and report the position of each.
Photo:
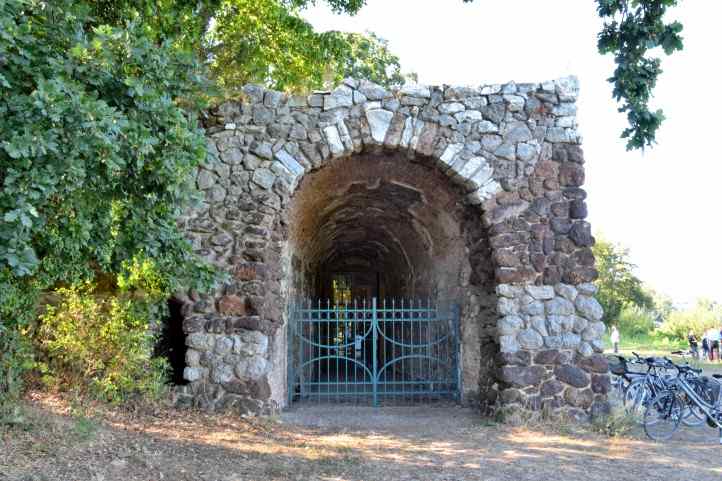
(336, 443)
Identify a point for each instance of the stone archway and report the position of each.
(396, 229)
(511, 153)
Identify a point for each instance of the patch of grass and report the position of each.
(566, 428)
(647, 342)
(85, 428)
(13, 417)
(488, 422)
(615, 424)
(277, 471)
(659, 346)
(333, 463)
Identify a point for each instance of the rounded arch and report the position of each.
(394, 226)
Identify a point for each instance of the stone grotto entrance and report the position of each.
(452, 196)
(379, 265)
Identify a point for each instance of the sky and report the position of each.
(663, 204)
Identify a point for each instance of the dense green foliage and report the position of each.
(366, 56)
(98, 138)
(632, 29)
(17, 299)
(617, 283)
(96, 151)
(267, 42)
(182, 21)
(100, 345)
(260, 41)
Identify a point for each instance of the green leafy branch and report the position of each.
(633, 28)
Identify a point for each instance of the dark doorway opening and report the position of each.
(172, 342)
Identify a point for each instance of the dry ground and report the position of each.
(333, 443)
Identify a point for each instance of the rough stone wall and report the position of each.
(512, 149)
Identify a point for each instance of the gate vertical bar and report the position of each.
(299, 331)
(375, 328)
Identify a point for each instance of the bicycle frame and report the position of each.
(712, 411)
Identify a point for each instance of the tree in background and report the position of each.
(635, 321)
(617, 283)
(261, 41)
(639, 310)
(705, 314)
(267, 42)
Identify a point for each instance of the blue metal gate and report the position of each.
(366, 352)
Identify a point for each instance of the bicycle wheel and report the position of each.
(635, 399)
(663, 415)
(693, 415)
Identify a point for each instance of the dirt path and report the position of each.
(335, 443)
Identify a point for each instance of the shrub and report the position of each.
(617, 423)
(15, 360)
(702, 316)
(635, 321)
(16, 311)
(101, 344)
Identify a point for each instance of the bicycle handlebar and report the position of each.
(663, 362)
(683, 367)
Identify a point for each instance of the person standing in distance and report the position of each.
(693, 344)
(713, 337)
(614, 337)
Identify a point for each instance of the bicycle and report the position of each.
(666, 411)
(622, 376)
(646, 387)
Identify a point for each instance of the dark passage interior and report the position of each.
(376, 226)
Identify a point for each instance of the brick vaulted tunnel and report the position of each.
(471, 194)
(396, 223)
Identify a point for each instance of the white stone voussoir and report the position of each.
(379, 121)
